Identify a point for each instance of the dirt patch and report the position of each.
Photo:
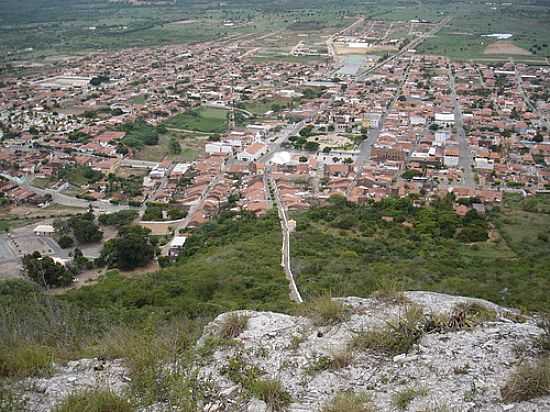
(505, 47)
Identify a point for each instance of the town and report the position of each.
(179, 134)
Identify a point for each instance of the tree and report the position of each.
(65, 242)
(174, 146)
(45, 271)
(84, 228)
(132, 248)
(311, 146)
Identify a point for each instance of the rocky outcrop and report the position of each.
(460, 370)
(42, 394)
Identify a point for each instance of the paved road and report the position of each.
(415, 43)
(528, 101)
(466, 159)
(294, 293)
(63, 199)
(365, 148)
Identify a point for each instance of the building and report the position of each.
(176, 246)
(253, 152)
(44, 230)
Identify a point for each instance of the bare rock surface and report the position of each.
(42, 394)
(459, 370)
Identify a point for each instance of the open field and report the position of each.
(506, 47)
(191, 147)
(204, 119)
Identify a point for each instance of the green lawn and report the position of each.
(204, 119)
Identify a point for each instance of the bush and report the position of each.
(402, 399)
(25, 360)
(65, 242)
(337, 360)
(272, 393)
(397, 337)
(233, 325)
(543, 341)
(94, 401)
(324, 310)
(529, 381)
(349, 402)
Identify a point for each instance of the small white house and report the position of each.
(44, 230)
(176, 246)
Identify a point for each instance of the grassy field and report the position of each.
(260, 107)
(462, 38)
(204, 119)
(191, 147)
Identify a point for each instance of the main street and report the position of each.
(365, 148)
(466, 160)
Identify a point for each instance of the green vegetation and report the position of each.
(79, 175)
(131, 249)
(228, 264)
(204, 119)
(396, 337)
(82, 227)
(157, 211)
(352, 250)
(402, 399)
(272, 393)
(94, 401)
(336, 360)
(25, 360)
(139, 134)
(233, 325)
(122, 218)
(529, 381)
(45, 271)
(350, 402)
(324, 310)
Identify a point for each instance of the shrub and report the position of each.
(476, 313)
(397, 337)
(337, 360)
(233, 325)
(529, 381)
(390, 290)
(324, 310)
(10, 401)
(94, 401)
(350, 402)
(272, 392)
(65, 242)
(401, 400)
(543, 341)
(25, 360)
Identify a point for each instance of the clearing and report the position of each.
(505, 47)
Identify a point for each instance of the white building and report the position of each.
(445, 119)
(176, 246)
(44, 230)
(218, 147)
(252, 152)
